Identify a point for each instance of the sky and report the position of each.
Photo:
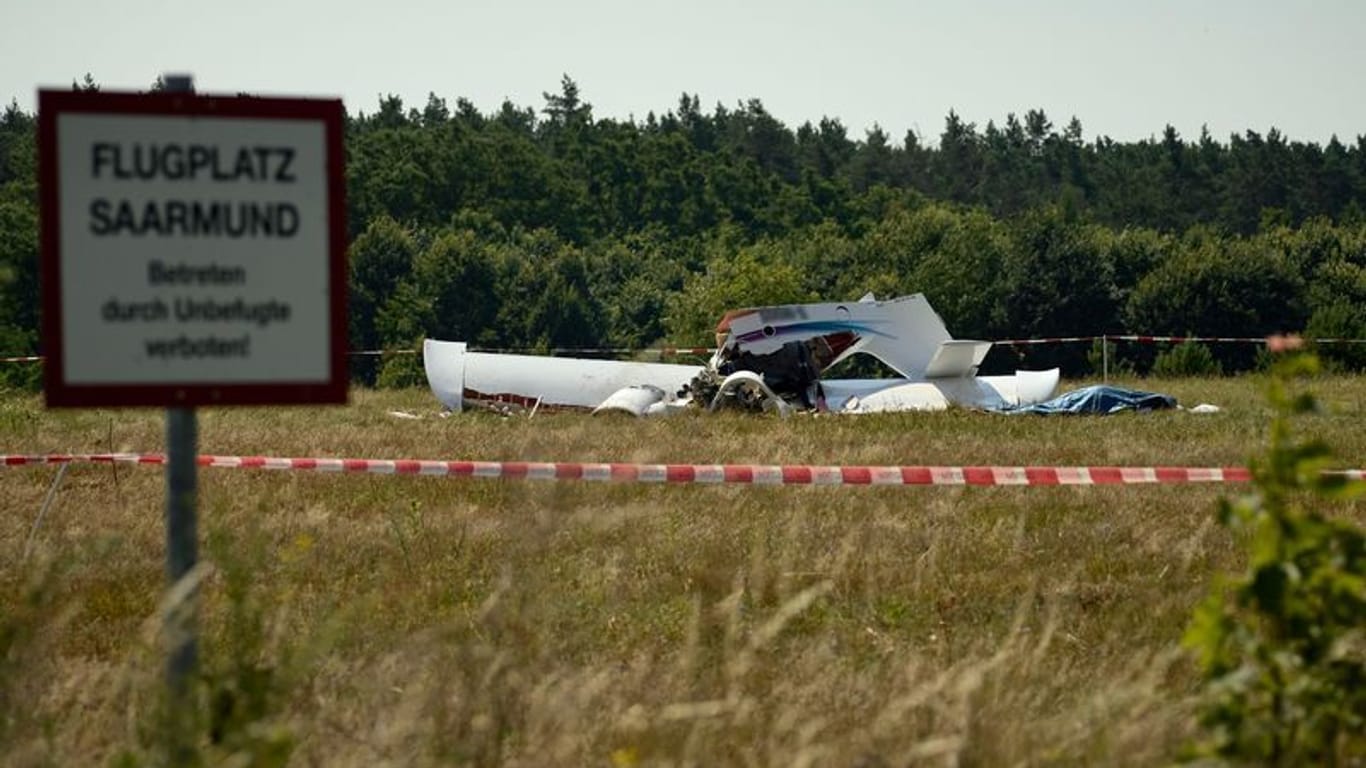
(1124, 68)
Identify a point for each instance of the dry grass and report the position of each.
(430, 621)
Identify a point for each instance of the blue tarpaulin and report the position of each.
(1099, 399)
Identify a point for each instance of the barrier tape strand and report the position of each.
(745, 474)
(705, 351)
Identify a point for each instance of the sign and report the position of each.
(193, 249)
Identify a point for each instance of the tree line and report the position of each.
(543, 228)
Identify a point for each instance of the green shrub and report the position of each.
(1337, 298)
(1282, 647)
(1220, 287)
(1186, 359)
(1341, 320)
(26, 376)
(1106, 360)
(401, 369)
(237, 709)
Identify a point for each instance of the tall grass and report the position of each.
(360, 620)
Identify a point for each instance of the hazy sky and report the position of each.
(1126, 68)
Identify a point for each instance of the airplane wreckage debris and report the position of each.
(767, 359)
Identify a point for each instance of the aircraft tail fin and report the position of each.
(957, 358)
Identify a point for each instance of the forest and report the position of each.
(543, 228)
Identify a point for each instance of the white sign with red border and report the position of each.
(193, 249)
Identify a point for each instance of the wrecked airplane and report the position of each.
(767, 359)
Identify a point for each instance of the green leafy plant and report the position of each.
(1106, 360)
(25, 376)
(1186, 359)
(402, 369)
(1282, 647)
(237, 709)
(25, 608)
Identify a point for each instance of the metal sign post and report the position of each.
(181, 622)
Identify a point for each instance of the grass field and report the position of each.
(367, 620)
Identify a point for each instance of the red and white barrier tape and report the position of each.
(1049, 340)
(705, 351)
(663, 351)
(1146, 339)
(688, 350)
(747, 474)
(1143, 339)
